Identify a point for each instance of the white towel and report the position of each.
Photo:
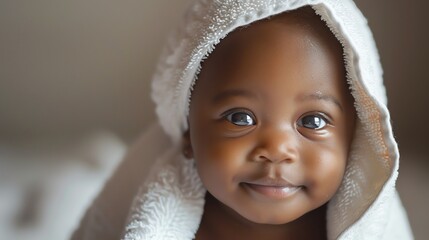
(366, 206)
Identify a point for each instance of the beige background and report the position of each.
(71, 67)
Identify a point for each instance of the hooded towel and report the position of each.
(170, 202)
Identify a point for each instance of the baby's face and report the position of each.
(271, 119)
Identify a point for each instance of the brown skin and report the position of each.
(271, 105)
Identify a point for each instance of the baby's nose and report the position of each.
(276, 145)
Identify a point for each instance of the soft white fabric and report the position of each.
(105, 218)
(170, 206)
(366, 206)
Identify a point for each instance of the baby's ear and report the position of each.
(186, 145)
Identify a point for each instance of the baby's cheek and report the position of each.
(326, 173)
(225, 157)
(220, 159)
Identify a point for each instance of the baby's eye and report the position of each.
(241, 118)
(312, 122)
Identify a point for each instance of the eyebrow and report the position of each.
(324, 97)
(244, 93)
(234, 93)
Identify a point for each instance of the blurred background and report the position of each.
(74, 94)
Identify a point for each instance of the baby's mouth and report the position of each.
(273, 188)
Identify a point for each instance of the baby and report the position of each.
(270, 126)
(279, 129)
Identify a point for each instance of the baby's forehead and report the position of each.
(295, 44)
(304, 19)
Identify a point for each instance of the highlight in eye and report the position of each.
(240, 117)
(313, 121)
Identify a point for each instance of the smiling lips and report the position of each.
(272, 188)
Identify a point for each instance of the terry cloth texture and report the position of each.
(170, 203)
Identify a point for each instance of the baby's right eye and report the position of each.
(241, 118)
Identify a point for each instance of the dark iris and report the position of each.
(240, 119)
(312, 122)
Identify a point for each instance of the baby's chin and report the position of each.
(266, 219)
(279, 217)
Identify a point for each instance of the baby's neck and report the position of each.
(221, 222)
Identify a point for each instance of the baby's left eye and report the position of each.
(312, 122)
(241, 118)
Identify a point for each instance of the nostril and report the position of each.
(263, 158)
(259, 155)
(262, 155)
